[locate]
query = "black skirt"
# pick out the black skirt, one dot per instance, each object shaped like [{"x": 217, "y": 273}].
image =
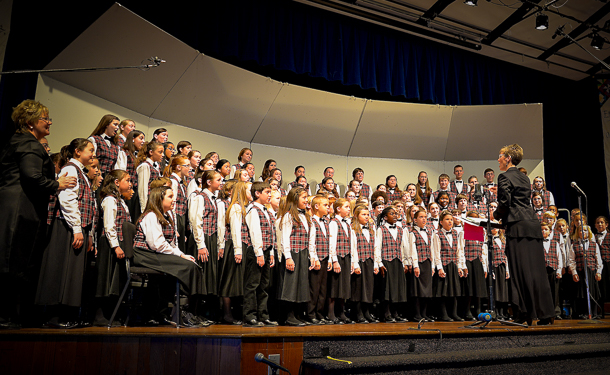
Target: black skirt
[
  {"x": 339, "y": 283},
  {"x": 395, "y": 285},
  {"x": 529, "y": 288},
  {"x": 232, "y": 274},
  {"x": 181, "y": 229},
  {"x": 210, "y": 268},
  {"x": 134, "y": 206},
  {"x": 421, "y": 286},
  {"x": 581, "y": 286},
  {"x": 500, "y": 283},
  {"x": 448, "y": 286},
  {"x": 604, "y": 284},
  {"x": 474, "y": 285},
  {"x": 363, "y": 285},
  {"x": 63, "y": 267},
  {"x": 111, "y": 272},
  {"x": 187, "y": 272},
  {"x": 295, "y": 284}
]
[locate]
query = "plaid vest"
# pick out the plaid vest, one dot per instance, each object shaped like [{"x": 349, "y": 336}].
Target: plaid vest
[
  {"x": 393, "y": 196},
  {"x": 131, "y": 169},
  {"x": 107, "y": 155},
  {"x": 546, "y": 198},
  {"x": 451, "y": 194},
  {"x": 425, "y": 196},
  {"x": 390, "y": 247},
  {"x": 154, "y": 173},
  {"x": 604, "y": 247},
  {"x": 499, "y": 255},
  {"x": 454, "y": 189},
  {"x": 365, "y": 190},
  {"x": 169, "y": 233},
  {"x": 190, "y": 176},
  {"x": 473, "y": 249},
  {"x": 492, "y": 196},
  {"x": 580, "y": 254},
  {"x": 423, "y": 248},
  {"x": 550, "y": 257},
  {"x": 181, "y": 198},
  {"x": 449, "y": 253},
  {"x": 539, "y": 214},
  {"x": 210, "y": 215},
  {"x": 299, "y": 238},
  {"x": 321, "y": 239},
  {"x": 120, "y": 142},
  {"x": 122, "y": 215},
  {"x": 86, "y": 201},
  {"x": 283, "y": 192},
  {"x": 267, "y": 227},
  {"x": 366, "y": 249},
  {"x": 344, "y": 240},
  {"x": 245, "y": 234}
]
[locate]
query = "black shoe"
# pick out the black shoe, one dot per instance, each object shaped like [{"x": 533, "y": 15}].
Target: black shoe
[
  {"x": 389, "y": 319},
  {"x": 9, "y": 325},
  {"x": 270, "y": 323},
  {"x": 231, "y": 321},
  {"x": 315, "y": 322},
  {"x": 428, "y": 319},
  {"x": 151, "y": 323},
  {"x": 558, "y": 317},
  {"x": 445, "y": 319},
  {"x": 325, "y": 321},
  {"x": 372, "y": 319},
  {"x": 293, "y": 322},
  {"x": 346, "y": 320},
  {"x": 84, "y": 324},
  {"x": 362, "y": 321},
  {"x": 64, "y": 325},
  {"x": 253, "y": 323},
  {"x": 400, "y": 319},
  {"x": 457, "y": 318},
  {"x": 337, "y": 321},
  {"x": 546, "y": 321}
]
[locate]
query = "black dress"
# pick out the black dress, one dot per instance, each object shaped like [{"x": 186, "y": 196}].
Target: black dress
[
  {"x": 529, "y": 287},
  {"x": 27, "y": 179}
]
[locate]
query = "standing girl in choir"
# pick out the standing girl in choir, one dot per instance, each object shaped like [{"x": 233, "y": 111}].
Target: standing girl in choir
[
  {"x": 585, "y": 250},
  {"x": 603, "y": 240},
  {"x": 203, "y": 242},
  {"x": 474, "y": 285},
  {"x": 328, "y": 186},
  {"x": 423, "y": 189},
  {"x": 295, "y": 223},
  {"x": 194, "y": 159},
  {"x": 392, "y": 243},
  {"x": 71, "y": 216},
  {"x": 420, "y": 257},
  {"x": 127, "y": 161},
  {"x": 148, "y": 160},
  {"x": 269, "y": 166},
  {"x": 366, "y": 264},
  {"x": 177, "y": 171},
  {"x": 104, "y": 139},
  {"x": 500, "y": 274},
  {"x": 448, "y": 254},
  {"x": 340, "y": 255},
  {"x": 392, "y": 189},
  {"x": 244, "y": 156},
  {"x": 125, "y": 127},
  {"x": 111, "y": 245}
]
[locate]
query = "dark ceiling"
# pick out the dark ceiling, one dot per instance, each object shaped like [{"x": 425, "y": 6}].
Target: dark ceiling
[{"x": 502, "y": 29}]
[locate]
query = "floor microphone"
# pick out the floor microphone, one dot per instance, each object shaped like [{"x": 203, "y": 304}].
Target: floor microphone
[
  {"x": 259, "y": 357},
  {"x": 573, "y": 184}
]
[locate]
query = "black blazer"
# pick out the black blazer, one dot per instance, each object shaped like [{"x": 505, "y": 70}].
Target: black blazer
[{"x": 514, "y": 205}]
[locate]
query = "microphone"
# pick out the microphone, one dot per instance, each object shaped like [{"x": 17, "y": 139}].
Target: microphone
[
  {"x": 573, "y": 184},
  {"x": 259, "y": 357},
  {"x": 478, "y": 193},
  {"x": 559, "y": 31}
]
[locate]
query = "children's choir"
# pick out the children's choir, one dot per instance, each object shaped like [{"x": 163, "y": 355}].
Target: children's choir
[{"x": 238, "y": 246}]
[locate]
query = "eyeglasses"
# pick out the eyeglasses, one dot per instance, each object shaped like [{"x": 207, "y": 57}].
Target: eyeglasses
[
  {"x": 46, "y": 119},
  {"x": 185, "y": 165}
]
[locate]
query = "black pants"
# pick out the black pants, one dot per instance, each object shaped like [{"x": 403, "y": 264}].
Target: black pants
[
  {"x": 256, "y": 280},
  {"x": 317, "y": 291}
]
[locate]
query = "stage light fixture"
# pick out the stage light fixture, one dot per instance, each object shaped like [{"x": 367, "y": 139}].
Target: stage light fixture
[
  {"x": 542, "y": 22},
  {"x": 597, "y": 41},
  {"x": 472, "y": 3}
]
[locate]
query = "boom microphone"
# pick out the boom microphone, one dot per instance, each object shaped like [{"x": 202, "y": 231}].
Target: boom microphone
[
  {"x": 259, "y": 357},
  {"x": 559, "y": 31}
]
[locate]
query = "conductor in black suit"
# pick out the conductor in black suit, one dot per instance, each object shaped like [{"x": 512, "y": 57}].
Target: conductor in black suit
[{"x": 530, "y": 292}]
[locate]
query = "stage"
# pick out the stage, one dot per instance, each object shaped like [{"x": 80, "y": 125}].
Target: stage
[{"x": 372, "y": 348}]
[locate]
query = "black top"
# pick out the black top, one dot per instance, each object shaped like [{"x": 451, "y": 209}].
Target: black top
[
  {"x": 27, "y": 180},
  {"x": 514, "y": 205}
]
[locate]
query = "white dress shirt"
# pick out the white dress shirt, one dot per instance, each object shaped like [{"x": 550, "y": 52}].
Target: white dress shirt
[
  {"x": 143, "y": 172},
  {"x": 110, "y": 207},
  {"x": 153, "y": 234},
  {"x": 68, "y": 198},
  {"x": 286, "y": 230}
]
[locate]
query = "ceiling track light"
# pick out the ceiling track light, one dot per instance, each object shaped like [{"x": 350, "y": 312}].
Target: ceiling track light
[
  {"x": 542, "y": 21},
  {"x": 472, "y": 3},
  {"x": 597, "y": 41}
]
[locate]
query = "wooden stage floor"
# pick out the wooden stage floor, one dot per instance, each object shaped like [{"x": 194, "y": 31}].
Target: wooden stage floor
[{"x": 218, "y": 349}]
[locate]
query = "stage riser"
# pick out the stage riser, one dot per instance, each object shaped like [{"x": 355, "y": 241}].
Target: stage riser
[{"x": 364, "y": 346}]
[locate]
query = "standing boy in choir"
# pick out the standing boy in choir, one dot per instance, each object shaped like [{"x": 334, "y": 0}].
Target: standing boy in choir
[{"x": 318, "y": 257}]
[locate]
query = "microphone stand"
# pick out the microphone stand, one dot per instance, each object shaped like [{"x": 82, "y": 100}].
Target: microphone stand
[{"x": 491, "y": 311}]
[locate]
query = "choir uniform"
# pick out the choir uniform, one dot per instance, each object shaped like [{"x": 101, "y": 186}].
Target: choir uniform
[
  {"x": 147, "y": 171},
  {"x": 126, "y": 163},
  {"x": 448, "y": 253},
  {"x": 391, "y": 242},
  {"x": 340, "y": 251},
  {"x": 106, "y": 152},
  {"x": 368, "y": 258},
  {"x": 603, "y": 240},
  {"x": 554, "y": 264},
  {"x": 180, "y": 209},
  {"x": 500, "y": 271},
  {"x": 295, "y": 246},
  {"x": 589, "y": 251},
  {"x": 459, "y": 187},
  {"x": 547, "y": 198},
  {"x": 318, "y": 279},
  {"x": 63, "y": 267}
]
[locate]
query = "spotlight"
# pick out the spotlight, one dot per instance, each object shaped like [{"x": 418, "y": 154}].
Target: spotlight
[
  {"x": 472, "y": 3},
  {"x": 597, "y": 41},
  {"x": 542, "y": 22}
]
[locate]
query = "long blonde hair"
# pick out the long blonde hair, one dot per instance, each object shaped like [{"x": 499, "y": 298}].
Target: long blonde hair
[{"x": 239, "y": 197}]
